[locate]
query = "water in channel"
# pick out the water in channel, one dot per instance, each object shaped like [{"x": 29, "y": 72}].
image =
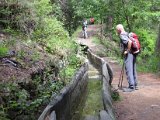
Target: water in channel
[{"x": 91, "y": 102}]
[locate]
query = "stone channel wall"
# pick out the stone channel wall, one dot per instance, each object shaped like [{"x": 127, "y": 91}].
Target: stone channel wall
[
  {"x": 107, "y": 76},
  {"x": 63, "y": 106}
]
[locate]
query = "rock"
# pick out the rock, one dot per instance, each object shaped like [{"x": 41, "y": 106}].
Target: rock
[
  {"x": 104, "y": 115},
  {"x": 89, "y": 117},
  {"x": 53, "y": 116}
]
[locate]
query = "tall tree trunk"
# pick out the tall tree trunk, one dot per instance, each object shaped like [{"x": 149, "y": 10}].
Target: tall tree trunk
[
  {"x": 158, "y": 42},
  {"x": 158, "y": 47},
  {"x": 110, "y": 25},
  {"x": 109, "y": 22},
  {"x": 126, "y": 16}
]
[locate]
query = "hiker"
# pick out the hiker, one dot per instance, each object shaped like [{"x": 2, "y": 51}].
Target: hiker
[
  {"x": 129, "y": 59},
  {"x": 84, "y": 28}
]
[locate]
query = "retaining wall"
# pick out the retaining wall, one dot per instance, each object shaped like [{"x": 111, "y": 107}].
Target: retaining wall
[
  {"x": 107, "y": 76},
  {"x": 64, "y": 105}
]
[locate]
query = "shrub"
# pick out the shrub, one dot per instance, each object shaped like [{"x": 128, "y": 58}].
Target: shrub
[
  {"x": 147, "y": 40},
  {"x": 3, "y": 51},
  {"x": 147, "y": 59}
]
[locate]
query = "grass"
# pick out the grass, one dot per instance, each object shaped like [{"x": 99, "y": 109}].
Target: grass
[{"x": 96, "y": 40}]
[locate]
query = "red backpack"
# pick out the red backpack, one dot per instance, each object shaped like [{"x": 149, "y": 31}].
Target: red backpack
[
  {"x": 92, "y": 20},
  {"x": 135, "y": 47}
]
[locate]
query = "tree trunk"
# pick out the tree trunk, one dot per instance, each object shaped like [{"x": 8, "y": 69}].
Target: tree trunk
[
  {"x": 158, "y": 42},
  {"x": 126, "y": 16},
  {"x": 110, "y": 25},
  {"x": 158, "y": 47}
]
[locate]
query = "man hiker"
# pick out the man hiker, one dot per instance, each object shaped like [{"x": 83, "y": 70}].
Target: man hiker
[
  {"x": 129, "y": 60},
  {"x": 84, "y": 28}
]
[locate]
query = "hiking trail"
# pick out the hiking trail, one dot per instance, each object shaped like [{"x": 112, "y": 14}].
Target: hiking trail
[{"x": 142, "y": 104}]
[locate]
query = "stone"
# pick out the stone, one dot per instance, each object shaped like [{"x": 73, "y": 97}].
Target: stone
[
  {"x": 89, "y": 117},
  {"x": 52, "y": 116},
  {"x": 104, "y": 115}
]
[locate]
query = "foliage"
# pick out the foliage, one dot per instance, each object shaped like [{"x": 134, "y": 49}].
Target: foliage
[
  {"x": 151, "y": 64},
  {"x": 141, "y": 17},
  {"x": 90, "y": 8},
  {"x": 66, "y": 74},
  {"x": 38, "y": 21},
  {"x": 43, "y": 7},
  {"x": 76, "y": 33},
  {"x": 28, "y": 100},
  {"x": 3, "y": 51},
  {"x": 111, "y": 48},
  {"x": 147, "y": 40},
  {"x": 115, "y": 96},
  {"x": 53, "y": 34},
  {"x": 69, "y": 70},
  {"x": 26, "y": 15}
]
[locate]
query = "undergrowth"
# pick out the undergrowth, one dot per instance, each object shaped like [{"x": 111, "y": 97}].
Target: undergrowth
[
  {"x": 115, "y": 96},
  {"x": 45, "y": 39},
  {"x": 147, "y": 60},
  {"x": 110, "y": 47},
  {"x": 3, "y": 51},
  {"x": 25, "y": 101}
]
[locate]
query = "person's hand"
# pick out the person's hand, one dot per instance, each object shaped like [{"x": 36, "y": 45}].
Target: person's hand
[{"x": 125, "y": 52}]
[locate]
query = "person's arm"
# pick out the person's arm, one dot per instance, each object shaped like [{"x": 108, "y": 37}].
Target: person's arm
[
  {"x": 127, "y": 42},
  {"x": 128, "y": 47}
]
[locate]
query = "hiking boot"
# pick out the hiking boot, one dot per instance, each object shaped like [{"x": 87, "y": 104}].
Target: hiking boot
[
  {"x": 129, "y": 89},
  {"x": 136, "y": 88}
]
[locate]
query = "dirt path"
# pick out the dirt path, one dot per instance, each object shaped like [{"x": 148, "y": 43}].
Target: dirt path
[{"x": 142, "y": 104}]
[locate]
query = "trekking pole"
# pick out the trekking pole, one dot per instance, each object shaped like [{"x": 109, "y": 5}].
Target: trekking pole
[
  {"x": 122, "y": 74},
  {"x": 121, "y": 77}
]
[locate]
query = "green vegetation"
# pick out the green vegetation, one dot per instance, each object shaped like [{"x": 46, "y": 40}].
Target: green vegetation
[
  {"x": 39, "y": 31},
  {"x": 34, "y": 30},
  {"x": 141, "y": 17},
  {"x": 115, "y": 96},
  {"x": 3, "y": 51},
  {"x": 148, "y": 59},
  {"x": 89, "y": 8},
  {"x": 108, "y": 48},
  {"x": 24, "y": 101}
]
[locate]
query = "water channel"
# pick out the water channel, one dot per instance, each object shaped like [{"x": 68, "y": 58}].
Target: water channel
[{"x": 92, "y": 102}]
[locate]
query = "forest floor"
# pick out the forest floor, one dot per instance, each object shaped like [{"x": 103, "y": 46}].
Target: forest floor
[{"x": 142, "y": 104}]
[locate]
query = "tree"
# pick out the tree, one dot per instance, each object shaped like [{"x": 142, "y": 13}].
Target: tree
[{"x": 158, "y": 41}]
